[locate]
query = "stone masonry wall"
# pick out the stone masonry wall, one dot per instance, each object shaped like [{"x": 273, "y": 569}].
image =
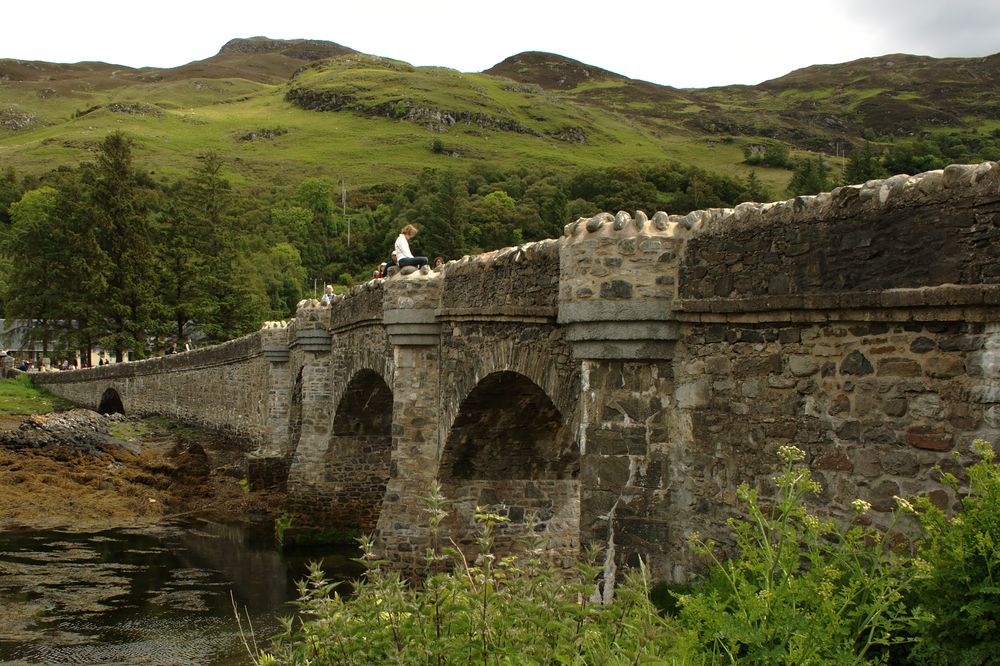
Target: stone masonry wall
[
  {"x": 876, "y": 406},
  {"x": 851, "y": 245},
  {"x": 220, "y": 387},
  {"x": 524, "y": 277}
]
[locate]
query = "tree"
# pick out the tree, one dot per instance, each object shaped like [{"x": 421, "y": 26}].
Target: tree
[
  {"x": 754, "y": 189},
  {"x": 811, "y": 176},
  {"x": 773, "y": 154},
  {"x": 10, "y": 193},
  {"x": 119, "y": 212},
  {"x": 316, "y": 196},
  {"x": 36, "y": 240},
  {"x": 278, "y": 274},
  {"x": 863, "y": 164}
]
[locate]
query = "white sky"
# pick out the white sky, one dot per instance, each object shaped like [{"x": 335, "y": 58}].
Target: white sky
[{"x": 688, "y": 43}]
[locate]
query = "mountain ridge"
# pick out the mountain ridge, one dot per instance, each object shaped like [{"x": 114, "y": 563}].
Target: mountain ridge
[{"x": 303, "y": 102}]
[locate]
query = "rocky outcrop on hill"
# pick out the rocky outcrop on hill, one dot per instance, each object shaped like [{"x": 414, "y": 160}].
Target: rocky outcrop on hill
[
  {"x": 300, "y": 49},
  {"x": 441, "y": 119}
]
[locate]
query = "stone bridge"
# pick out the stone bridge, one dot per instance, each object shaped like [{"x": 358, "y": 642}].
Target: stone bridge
[{"x": 620, "y": 382}]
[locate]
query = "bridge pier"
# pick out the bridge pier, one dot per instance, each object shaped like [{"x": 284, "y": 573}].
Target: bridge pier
[
  {"x": 617, "y": 291},
  {"x": 308, "y": 497},
  {"x": 409, "y": 307}
]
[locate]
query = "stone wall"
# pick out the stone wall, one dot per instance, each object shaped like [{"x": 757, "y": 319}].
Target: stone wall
[{"x": 220, "y": 387}]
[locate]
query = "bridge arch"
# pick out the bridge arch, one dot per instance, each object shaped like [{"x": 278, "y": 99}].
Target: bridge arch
[
  {"x": 356, "y": 462},
  {"x": 111, "y": 402},
  {"x": 511, "y": 450},
  {"x": 508, "y": 428}
]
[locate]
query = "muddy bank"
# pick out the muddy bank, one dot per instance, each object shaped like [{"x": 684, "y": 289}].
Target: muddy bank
[{"x": 82, "y": 471}]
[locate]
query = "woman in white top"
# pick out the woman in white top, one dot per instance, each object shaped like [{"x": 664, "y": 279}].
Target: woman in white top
[{"x": 403, "y": 255}]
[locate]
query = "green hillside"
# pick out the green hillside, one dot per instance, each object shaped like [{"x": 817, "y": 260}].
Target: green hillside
[{"x": 279, "y": 111}]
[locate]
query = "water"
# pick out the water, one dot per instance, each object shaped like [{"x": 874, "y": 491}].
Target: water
[{"x": 159, "y": 596}]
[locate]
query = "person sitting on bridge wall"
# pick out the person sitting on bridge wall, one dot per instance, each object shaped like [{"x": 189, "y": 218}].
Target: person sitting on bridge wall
[
  {"x": 403, "y": 255},
  {"x": 328, "y": 295}
]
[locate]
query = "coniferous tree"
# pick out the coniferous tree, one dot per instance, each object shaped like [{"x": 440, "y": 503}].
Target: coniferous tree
[
  {"x": 811, "y": 176},
  {"x": 85, "y": 266},
  {"x": 442, "y": 227},
  {"x": 754, "y": 189},
  {"x": 121, "y": 215},
  {"x": 863, "y": 164},
  {"x": 35, "y": 240},
  {"x": 228, "y": 302}
]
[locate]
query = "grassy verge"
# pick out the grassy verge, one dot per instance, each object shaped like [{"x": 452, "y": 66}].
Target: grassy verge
[{"x": 20, "y": 397}]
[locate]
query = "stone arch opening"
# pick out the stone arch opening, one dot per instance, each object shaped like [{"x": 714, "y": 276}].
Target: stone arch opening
[
  {"x": 357, "y": 458},
  {"x": 508, "y": 428},
  {"x": 111, "y": 403},
  {"x": 511, "y": 451}
]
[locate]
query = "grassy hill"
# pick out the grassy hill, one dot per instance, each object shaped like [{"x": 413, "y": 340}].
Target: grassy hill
[{"x": 280, "y": 111}]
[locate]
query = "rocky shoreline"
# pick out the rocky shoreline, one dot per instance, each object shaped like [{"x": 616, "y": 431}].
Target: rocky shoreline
[{"x": 82, "y": 471}]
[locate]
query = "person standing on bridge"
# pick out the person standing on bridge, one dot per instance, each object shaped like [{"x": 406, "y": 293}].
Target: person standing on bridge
[{"x": 404, "y": 257}]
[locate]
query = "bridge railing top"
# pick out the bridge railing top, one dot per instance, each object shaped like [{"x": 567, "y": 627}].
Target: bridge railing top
[{"x": 956, "y": 180}]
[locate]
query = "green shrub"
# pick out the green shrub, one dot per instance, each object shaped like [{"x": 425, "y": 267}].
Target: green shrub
[
  {"x": 957, "y": 587},
  {"x": 798, "y": 590},
  {"x": 518, "y": 609}
]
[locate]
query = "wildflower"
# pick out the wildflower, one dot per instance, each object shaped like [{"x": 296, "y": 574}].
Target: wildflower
[
  {"x": 791, "y": 454},
  {"x": 861, "y": 507},
  {"x": 984, "y": 450},
  {"x": 904, "y": 504},
  {"x": 811, "y": 521}
]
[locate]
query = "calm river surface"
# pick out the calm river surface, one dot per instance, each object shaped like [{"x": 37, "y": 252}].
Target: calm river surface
[{"x": 150, "y": 596}]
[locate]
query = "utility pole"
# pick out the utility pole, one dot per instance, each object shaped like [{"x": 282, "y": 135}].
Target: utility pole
[{"x": 343, "y": 208}]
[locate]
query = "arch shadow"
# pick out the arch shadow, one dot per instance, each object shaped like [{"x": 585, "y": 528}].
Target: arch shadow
[
  {"x": 111, "y": 403},
  {"x": 356, "y": 462},
  {"x": 512, "y": 452}
]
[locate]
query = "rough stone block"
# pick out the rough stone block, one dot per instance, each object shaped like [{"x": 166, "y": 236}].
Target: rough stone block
[
  {"x": 899, "y": 367},
  {"x": 929, "y": 438},
  {"x": 616, "y": 441}
]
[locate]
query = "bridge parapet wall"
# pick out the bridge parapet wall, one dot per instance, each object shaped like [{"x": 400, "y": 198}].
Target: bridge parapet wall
[
  {"x": 522, "y": 279},
  {"x": 905, "y": 242},
  {"x": 218, "y": 387}
]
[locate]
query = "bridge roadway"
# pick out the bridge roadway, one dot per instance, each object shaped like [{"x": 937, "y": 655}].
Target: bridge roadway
[{"x": 620, "y": 382}]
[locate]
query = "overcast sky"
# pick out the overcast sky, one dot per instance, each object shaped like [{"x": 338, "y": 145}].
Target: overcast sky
[{"x": 694, "y": 43}]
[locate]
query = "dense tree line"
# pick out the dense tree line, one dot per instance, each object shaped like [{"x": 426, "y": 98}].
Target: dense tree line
[
  {"x": 869, "y": 160},
  {"x": 101, "y": 254}
]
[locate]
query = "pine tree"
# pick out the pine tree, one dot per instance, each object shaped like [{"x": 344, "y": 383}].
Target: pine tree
[
  {"x": 220, "y": 297},
  {"x": 35, "y": 241},
  {"x": 120, "y": 214},
  {"x": 754, "y": 189},
  {"x": 863, "y": 164},
  {"x": 811, "y": 176}
]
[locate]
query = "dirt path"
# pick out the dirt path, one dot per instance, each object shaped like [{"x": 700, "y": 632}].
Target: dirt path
[{"x": 82, "y": 471}]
